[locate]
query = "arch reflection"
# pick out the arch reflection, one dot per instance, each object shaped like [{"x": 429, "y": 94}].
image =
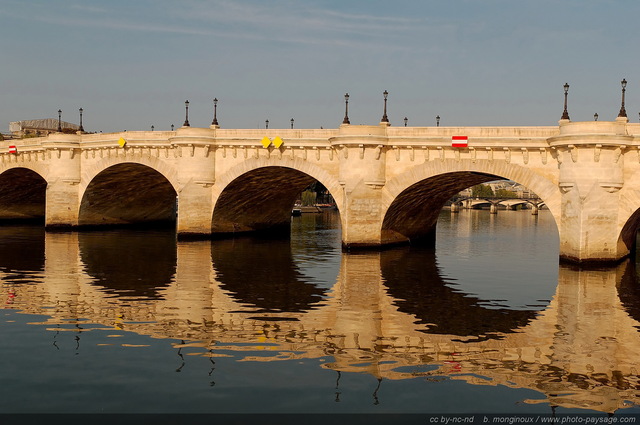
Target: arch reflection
[
  {"x": 129, "y": 262},
  {"x": 414, "y": 280},
  {"x": 21, "y": 253},
  {"x": 260, "y": 273},
  {"x": 581, "y": 351},
  {"x": 629, "y": 290}
]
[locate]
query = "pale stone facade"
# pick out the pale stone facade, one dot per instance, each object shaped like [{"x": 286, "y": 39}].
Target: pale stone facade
[{"x": 389, "y": 183}]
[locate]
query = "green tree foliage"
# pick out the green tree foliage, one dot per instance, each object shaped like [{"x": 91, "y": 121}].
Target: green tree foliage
[
  {"x": 482, "y": 191},
  {"x": 504, "y": 193},
  {"x": 322, "y": 195},
  {"x": 308, "y": 197}
]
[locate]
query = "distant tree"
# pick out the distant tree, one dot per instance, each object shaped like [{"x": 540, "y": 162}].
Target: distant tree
[
  {"x": 504, "y": 193},
  {"x": 308, "y": 197},
  {"x": 1, "y": 136},
  {"x": 322, "y": 195},
  {"x": 482, "y": 191}
]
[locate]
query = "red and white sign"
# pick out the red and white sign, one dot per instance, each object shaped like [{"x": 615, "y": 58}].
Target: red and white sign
[
  {"x": 459, "y": 141},
  {"x": 12, "y": 149}
]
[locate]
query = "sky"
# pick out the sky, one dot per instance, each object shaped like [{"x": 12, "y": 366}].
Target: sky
[{"x": 131, "y": 64}]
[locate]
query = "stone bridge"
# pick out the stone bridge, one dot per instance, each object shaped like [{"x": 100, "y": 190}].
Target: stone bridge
[
  {"x": 389, "y": 183},
  {"x": 493, "y": 203}
]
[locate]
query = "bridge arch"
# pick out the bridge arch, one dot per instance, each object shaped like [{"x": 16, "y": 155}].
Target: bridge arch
[
  {"x": 411, "y": 201},
  {"x": 37, "y": 167},
  {"x": 91, "y": 171},
  {"x": 127, "y": 192},
  {"x": 22, "y": 194},
  {"x": 258, "y": 193},
  {"x": 480, "y": 203}
]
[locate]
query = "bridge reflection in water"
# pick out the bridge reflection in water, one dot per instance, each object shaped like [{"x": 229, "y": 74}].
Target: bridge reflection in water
[{"x": 389, "y": 314}]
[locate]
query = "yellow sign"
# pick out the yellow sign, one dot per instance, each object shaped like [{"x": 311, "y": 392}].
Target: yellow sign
[
  {"x": 122, "y": 142},
  {"x": 277, "y": 142}
]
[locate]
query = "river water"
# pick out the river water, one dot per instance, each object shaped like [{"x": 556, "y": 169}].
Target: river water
[{"x": 128, "y": 321}]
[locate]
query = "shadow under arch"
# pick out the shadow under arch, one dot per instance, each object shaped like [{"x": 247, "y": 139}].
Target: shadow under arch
[
  {"x": 129, "y": 263},
  {"x": 259, "y": 201},
  {"x": 413, "y": 279},
  {"x": 629, "y": 233},
  {"x": 94, "y": 168},
  {"x": 128, "y": 193},
  {"x": 22, "y": 195},
  {"x": 261, "y": 274}
]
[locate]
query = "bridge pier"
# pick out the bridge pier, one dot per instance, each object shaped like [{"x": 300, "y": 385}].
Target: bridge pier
[
  {"x": 588, "y": 228},
  {"x": 591, "y": 175},
  {"x": 195, "y": 207},
  {"x": 63, "y": 190},
  {"x": 362, "y": 219},
  {"x": 362, "y": 174},
  {"x": 195, "y": 166},
  {"x": 63, "y": 204}
]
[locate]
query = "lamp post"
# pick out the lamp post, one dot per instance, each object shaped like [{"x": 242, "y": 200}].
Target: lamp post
[
  {"x": 565, "y": 113},
  {"x": 623, "y": 112},
  {"x": 59, "y": 121},
  {"x": 266, "y": 124},
  {"x": 595, "y": 116},
  {"x": 215, "y": 111},
  {"x": 346, "y": 109},
  {"x": 405, "y": 121},
  {"x": 292, "y": 123},
  {"x": 186, "y": 116},
  {"x": 437, "y": 120},
  {"x": 384, "y": 114},
  {"x": 81, "y": 127}
]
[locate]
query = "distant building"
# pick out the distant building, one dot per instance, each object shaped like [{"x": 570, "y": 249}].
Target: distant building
[
  {"x": 40, "y": 127},
  {"x": 518, "y": 190}
]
